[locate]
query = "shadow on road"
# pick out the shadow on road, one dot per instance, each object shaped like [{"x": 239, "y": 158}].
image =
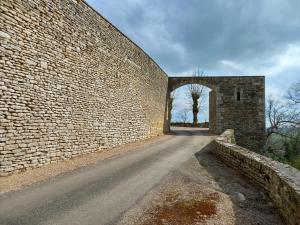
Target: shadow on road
[
  {"x": 256, "y": 208},
  {"x": 188, "y": 131}
]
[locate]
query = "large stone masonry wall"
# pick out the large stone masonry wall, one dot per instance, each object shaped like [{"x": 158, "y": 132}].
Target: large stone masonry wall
[
  {"x": 282, "y": 182},
  {"x": 71, "y": 83}
]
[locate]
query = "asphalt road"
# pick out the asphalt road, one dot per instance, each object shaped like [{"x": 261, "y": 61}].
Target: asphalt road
[{"x": 101, "y": 193}]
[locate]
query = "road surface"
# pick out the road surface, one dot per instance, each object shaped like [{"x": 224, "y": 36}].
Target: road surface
[{"x": 101, "y": 193}]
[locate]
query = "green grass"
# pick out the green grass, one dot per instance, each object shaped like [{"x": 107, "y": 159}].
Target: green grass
[{"x": 295, "y": 162}]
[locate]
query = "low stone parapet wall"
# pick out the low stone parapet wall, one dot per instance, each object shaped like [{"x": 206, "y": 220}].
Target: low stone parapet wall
[
  {"x": 282, "y": 182},
  {"x": 178, "y": 124}
]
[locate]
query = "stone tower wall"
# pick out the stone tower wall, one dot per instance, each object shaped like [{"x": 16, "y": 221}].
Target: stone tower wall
[
  {"x": 245, "y": 115},
  {"x": 71, "y": 83}
]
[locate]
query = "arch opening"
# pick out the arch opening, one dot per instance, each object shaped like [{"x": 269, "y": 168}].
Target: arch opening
[
  {"x": 182, "y": 106},
  {"x": 245, "y": 116}
]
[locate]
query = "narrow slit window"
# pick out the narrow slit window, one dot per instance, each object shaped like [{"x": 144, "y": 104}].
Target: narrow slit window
[{"x": 238, "y": 96}]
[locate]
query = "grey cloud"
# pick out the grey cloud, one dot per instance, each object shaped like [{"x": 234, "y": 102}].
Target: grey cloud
[{"x": 184, "y": 34}]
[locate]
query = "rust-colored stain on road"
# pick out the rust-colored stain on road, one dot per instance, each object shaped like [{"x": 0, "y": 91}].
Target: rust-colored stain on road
[{"x": 184, "y": 212}]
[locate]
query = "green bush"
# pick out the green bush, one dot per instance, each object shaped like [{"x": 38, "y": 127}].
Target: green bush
[
  {"x": 295, "y": 162},
  {"x": 284, "y": 149}
]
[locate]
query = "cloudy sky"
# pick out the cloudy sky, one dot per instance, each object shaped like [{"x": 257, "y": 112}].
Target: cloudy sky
[{"x": 222, "y": 37}]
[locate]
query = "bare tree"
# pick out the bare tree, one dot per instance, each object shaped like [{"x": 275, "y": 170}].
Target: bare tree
[
  {"x": 196, "y": 92},
  {"x": 284, "y": 122},
  {"x": 184, "y": 115},
  {"x": 281, "y": 116}
]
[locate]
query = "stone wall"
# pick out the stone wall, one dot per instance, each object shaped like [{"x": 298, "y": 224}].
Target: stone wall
[
  {"x": 282, "y": 182},
  {"x": 245, "y": 115},
  {"x": 212, "y": 111},
  {"x": 71, "y": 83}
]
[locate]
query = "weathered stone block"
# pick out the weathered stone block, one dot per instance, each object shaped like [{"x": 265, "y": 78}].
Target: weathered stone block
[{"x": 4, "y": 35}]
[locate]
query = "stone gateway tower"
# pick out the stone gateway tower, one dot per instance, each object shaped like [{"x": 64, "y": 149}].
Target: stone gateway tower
[
  {"x": 72, "y": 83},
  {"x": 235, "y": 102}
]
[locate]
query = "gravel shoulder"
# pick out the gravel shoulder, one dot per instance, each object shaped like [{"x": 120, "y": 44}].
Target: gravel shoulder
[
  {"x": 204, "y": 191},
  {"x": 29, "y": 177}
]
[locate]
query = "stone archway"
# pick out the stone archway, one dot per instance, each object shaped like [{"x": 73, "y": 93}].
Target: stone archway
[
  {"x": 212, "y": 101},
  {"x": 236, "y": 102}
]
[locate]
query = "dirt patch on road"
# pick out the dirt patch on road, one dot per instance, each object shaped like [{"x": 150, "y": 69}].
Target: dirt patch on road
[
  {"x": 183, "y": 212},
  {"x": 178, "y": 202}
]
